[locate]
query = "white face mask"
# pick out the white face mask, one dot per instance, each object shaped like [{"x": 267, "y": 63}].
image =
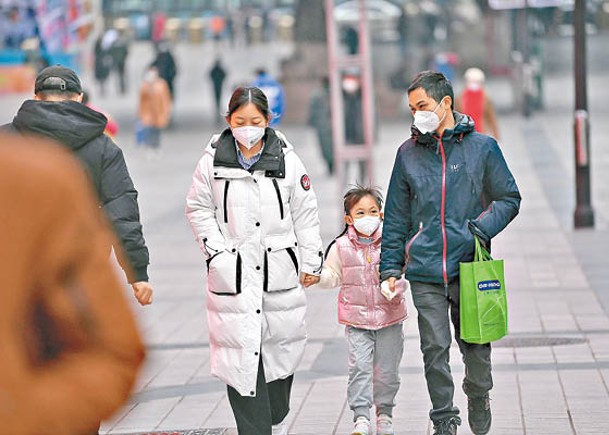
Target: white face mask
[
  {"x": 248, "y": 135},
  {"x": 367, "y": 225},
  {"x": 426, "y": 121}
]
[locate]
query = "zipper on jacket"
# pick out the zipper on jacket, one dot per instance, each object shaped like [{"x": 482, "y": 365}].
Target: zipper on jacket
[
  {"x": 226, "y": 184},
  {"x": 292, "y": 255},
  {"x": 409, "y": 244},
  {"x": 443, "y": 216},
  {"x": 487, "y": 211},
  {"x": 278, "y": 197}
]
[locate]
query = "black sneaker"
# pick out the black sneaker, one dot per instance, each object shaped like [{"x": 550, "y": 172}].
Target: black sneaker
[
  {"x": 445, "y": 427},
  {"x": 479, "y": 414}
]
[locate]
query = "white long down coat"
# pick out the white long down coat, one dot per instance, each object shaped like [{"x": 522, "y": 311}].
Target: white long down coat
[{"x": 257, "y": 229}]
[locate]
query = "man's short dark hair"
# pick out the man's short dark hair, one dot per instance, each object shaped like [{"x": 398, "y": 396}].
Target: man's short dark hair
[{"x": 435, "y": 85}]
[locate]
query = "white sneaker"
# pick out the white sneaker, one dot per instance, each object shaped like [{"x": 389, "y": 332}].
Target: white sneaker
[
  {"x": 361, "y": 426},
  {"x": 280, "y": 429},
  {"x": 384, "y": 425}
]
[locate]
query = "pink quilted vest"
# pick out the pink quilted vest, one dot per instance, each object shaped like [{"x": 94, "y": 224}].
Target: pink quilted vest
[{"x": 360, "y": 301}]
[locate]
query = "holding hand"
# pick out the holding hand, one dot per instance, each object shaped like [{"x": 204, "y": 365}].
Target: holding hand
[
  {"x": 308, "y": 280},
  {"x": 143, "y": 292}
]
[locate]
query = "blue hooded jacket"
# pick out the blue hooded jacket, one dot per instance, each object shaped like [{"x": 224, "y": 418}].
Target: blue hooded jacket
[
  {"x": 441, "y": 192},
  {"x": 274, "y": 93}
]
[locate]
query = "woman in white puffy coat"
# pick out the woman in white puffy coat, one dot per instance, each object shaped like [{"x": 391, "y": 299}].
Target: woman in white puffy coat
[{"x": 254, "y": 215}]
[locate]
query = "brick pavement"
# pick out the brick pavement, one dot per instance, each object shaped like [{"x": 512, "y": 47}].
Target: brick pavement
[{"x": 551, "y": 373}]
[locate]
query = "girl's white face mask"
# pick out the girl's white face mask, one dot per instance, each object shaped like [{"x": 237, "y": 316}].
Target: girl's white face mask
[
  {"x": 248, "y": 135},
  {"x": 367, "y": 225},
  {"x": 426, "y": 121}
]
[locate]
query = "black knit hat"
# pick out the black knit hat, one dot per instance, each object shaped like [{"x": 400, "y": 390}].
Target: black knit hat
[{"x": 57, "y": 78}]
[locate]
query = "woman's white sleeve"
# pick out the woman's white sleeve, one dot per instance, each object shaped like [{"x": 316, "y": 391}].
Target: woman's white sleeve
[
  {"x": 332, "y": 273},
  {"x": 303, "y": 206},
  {"x": 201, "y": 212}
]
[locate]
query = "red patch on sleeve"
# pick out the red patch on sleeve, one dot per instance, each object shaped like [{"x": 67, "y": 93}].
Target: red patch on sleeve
[{"x": 305, "y": 182}]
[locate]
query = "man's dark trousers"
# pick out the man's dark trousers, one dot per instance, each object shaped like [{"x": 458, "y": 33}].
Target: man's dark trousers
[{"x": 433, "y": 302}]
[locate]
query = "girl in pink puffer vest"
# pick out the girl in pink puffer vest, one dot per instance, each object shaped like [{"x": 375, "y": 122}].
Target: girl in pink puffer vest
[{"x": 372, "y": 317}]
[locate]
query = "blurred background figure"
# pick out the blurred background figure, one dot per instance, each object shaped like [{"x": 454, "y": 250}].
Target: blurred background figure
[
  {"x": 72, "y": 349},
  {"x": 354, "y": 123},
  {"x": 112, "y": 126},
  {"x": 119, "y": 51},
  {"x": 351, "y": 40},
  {"x": 166, "y": 66},
  {"x": 159, "y": 20},
  {"x": 475, "y": 102},
  {"x": 103, "y": 61},
  {"x": 18, "y": 28},
  {"x": 217, "y": 75},
  {"x": 320, "y": 119},
  {"x": 274, "y": 93},
  {"x": 154, "y": 110}
]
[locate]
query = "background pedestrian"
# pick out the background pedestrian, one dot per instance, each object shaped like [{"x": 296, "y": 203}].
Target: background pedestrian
[
  {"x": 217, "y": 75},
  {"x": 274, "y": 93},
  {"x": 166, "y": 65},
  {"x": 475, "y": 102},
  {"x": 320, "y": 118},
  {"x": 154, "y": 109}
]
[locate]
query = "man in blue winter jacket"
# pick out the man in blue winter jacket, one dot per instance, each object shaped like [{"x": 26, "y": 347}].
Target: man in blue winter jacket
[{"x": 448, "y": 184}]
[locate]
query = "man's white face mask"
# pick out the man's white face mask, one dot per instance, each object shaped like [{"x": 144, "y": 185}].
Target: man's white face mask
[{"x": 427, "y": 121}]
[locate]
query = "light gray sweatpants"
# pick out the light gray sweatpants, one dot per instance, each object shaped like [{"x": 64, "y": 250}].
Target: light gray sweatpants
[{"x": 374, "y": 363}]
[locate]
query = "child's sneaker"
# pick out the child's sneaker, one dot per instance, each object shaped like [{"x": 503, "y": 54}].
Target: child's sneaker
[
  {"x": 361, "y": 427},
  {"x": 384, "y": 425}
]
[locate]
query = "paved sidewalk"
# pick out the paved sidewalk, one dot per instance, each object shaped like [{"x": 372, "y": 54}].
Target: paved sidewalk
[{"x": 551, "y": 373}]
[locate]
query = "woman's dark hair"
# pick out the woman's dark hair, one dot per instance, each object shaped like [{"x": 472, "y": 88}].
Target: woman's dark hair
[
  {"x": 245, "y": 95},
  {"x": 435, "y": 85},
  {"x": 358, "y": 192}
]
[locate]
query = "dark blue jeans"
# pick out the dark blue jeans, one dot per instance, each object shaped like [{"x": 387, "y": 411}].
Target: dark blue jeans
[{"x": 433, "y": 303}]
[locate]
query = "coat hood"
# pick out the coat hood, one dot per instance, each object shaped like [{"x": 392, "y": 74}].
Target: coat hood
[
  {"x": 68, "y": 122},
  {"x": 464, "y": 124}
]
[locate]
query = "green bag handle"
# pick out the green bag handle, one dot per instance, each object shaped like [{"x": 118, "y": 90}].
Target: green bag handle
[{"x": 481, "y": 254}]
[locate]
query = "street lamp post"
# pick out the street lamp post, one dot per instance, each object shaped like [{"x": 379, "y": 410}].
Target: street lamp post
[{"x": 584, "y": 214}]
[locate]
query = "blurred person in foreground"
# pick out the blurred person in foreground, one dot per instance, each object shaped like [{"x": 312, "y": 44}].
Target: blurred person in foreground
[
  {"x": 57, "y": 113},
  {"x": 70, "y": 343},
  {"x": 449, "y": 184},
  {"x": 475, "y": 102}
]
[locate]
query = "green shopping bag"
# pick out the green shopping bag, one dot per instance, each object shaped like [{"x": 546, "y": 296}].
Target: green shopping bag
[{"x": 483, "y": 305}]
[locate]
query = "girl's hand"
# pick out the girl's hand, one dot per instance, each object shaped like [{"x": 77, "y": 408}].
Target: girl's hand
[{"x": 308, "y": 280}]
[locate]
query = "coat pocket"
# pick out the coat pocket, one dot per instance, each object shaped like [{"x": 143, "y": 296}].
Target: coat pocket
[
  {"x": 281, "y": 266},
  {"x": 224, "y": 274}
]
